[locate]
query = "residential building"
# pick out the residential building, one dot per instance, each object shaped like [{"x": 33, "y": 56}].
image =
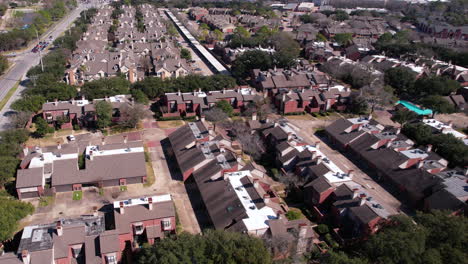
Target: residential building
[
  {"x": 72, "y": 167},
  {"x": 86, "y": 239},
  {"x": 194, "y": 103}
]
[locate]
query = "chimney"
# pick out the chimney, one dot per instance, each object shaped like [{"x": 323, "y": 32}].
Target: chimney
[
  {"x": 429, "y": 148},
  {"x": 450, "y": 123},
  {"x": 59, "y": 228},
  {"x": 266, "y": 198},
  {"x": 317, "y": 144},
  {"x": 362, "y": 201},
  {"x": 398, "y": 131},
  {"x": 202, "y": 118},
  {"x": 122, "y": 209},
  {"x": 420, "y": 164},
  {"x": 150, "y": 203},
  {"x": 103, "y": 140},
  {"x": 125, "y": 139},
  {"x": 255, "y": 183},
  {"x": 56, "y": 102},
  {"x": 91, "y": 155},
  {"x": 350, "y": 173},
  {"x": 290, "y": 136},
  {"x": 59, "y": 146},
  {"x": 465, "y": 171},
  {"x": 179, "y": 93},
  {"x": 254, "y": 116},
  {"x": 369, "y": 117},
  {"x": 319, "y": 159},
  {"x": 25, "y": 256},
  {"x": 95, "y": 211}
]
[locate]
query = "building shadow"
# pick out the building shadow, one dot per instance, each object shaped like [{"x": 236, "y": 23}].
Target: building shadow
[{"x": 171, "y": 160}]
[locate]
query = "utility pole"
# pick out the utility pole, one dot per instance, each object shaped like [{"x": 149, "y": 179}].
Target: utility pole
[{"x": 40, "y": 51}]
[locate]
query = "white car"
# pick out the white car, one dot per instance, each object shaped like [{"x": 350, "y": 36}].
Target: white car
[{"x": 71, "y": 138}]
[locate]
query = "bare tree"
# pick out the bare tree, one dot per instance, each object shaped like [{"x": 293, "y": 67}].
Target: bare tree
[
  {"x": 376, "y": 94},
  {"x": 215, "y": 115},
  {"x": 20, "y": 119},
  {"x": 131, "y": 115},
  {"x": 281, "y": 245}
]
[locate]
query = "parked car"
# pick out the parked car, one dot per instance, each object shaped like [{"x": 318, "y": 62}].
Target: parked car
[{"x": 71, "y": 138}]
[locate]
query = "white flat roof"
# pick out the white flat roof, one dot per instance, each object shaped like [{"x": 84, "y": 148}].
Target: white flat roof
[
  {"x": 257, "y": 218},
  {"x": 97, "y": 152},
  {"x": 49, "y": 157},
  {"x": 143, "y": 200}
]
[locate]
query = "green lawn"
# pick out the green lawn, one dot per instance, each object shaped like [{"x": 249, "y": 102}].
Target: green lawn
[
  {"x": 8, "y": 95},
  {"x": 123, "y": 188},
  {"x": 77, "y": 195}
]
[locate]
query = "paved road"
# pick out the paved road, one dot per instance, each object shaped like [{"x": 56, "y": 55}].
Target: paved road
[{"x": 24, "y": 61}]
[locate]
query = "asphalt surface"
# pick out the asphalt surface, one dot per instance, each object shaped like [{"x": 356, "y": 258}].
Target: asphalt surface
[{"x": 27, "y": 59}]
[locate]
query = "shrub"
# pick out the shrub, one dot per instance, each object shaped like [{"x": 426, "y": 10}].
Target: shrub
[{"x": 322, "y": 229}]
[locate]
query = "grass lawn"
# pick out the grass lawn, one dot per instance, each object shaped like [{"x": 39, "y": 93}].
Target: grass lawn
[
  {"x": 170, "y": 124},
  {"x": 150, "y": 177},
  {"x": 294, "y": 213},
  {"x": 300, "y": 117},
  {"x": 123, "y": 188},
  {"x": 77, "y": 195},
  {"x": 8, "y": 95},
  {"x": 46, "y": 200},
  {"x": 48, "y": 140}
]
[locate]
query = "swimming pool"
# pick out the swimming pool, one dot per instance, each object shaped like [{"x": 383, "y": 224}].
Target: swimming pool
[{"x": 415, "y": 108}]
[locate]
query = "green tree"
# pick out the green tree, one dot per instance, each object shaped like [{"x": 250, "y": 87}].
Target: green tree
[
  {"x": 29, "y": 103},
  {"x": 320, "y": 37},
  {"x": 225, "y": 106},
  {"x": 242, "y": 32},
  {"x": 404, "y": 116},
  {"x": 139, "y": 96},
  {"x": 438, "y": 104},
  {"x": 358, "y": 105},
  {"x": 8, "y": 166},
  {"x": 42, "y": 127},
  {"x": 341, "y": 15},
  {"x": 218, "y": 34},
  {"x": 211, "y": 247},
  {"x": 339, "y": 257},
  {"x": 343, "y": 38},
  {"x": 105, "y": 87},
  {"x": 435, "y": 85},
  {"x": 401, "y": 79},
  {"x": 11, "y": 211},
  {"x": 3, "y": 64},
  {"x": 403, "y": 242},
  {"x": 421, "y": 133},
  {"x": 104, "y": 114},
  {"x": 185, "y": 54},
  {"x": 245, "y": 63}
]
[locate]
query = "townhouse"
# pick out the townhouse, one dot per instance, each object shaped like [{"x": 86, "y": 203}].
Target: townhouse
[
  {"x": 87, "y": 240},
  {"x": 108, "y": 50},
  {"x": 329, "y": 191},
  {"x": 82, "y": 112},
  {"x": 445, "y": 128},
  {"x": 190, "y": 104},
  {"x": 236, "y": 196},
  {"x": 415, "y": 173},
  {"x": 312, "y": 100},
  {"x": 442, "y": 30},
  {"x": 72, "y": 167}
]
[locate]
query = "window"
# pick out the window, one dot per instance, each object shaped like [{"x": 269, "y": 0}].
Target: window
[
  {"x": 166, "y": 223},
  {"x": 138, "y": 229}
]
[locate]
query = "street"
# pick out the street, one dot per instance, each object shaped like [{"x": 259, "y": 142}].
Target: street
[{"x": 25, "y": 60}]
